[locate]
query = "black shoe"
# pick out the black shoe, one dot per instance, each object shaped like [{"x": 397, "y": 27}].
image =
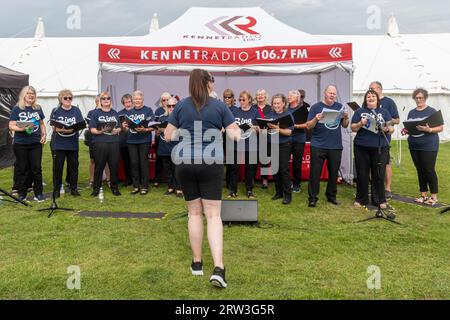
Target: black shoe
[
  {"x": 180, "y": 195},
  {"x": 135, "y": 191},
  {"x": 197, "y": 268},
  {"x": 218, "y": 278},
  {"x": 277, "y": 196},
  {"x": 312, "y": 203},
  {"x": 144, "y": 192},
  {"x": 75, "y": 193},
  {"x": 287, "y": 199},
  {"x": 116, "y": 192},
  {"x": 232, "y": 195},
  {"x": 95, "y": 192},
  {"x": 334, "y": 201},
  {"x": 168, "y": 193},
  {"x": 296, "y": 189},
  {"x": 250, "y": 195},
  {"x": 388, "y": 194}
]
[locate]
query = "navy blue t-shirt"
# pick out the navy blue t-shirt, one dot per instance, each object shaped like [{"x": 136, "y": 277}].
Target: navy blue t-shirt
[
  {"x": 323, "y": 137},
  {"x": 246, "y": 117},
  {"x": 28, "y": 114},
  {"x": 159, "y": 111},
  {"x": 164, "y": 147},
  {"x": 299, "y": 135},
  {"x": 137, "y": 116},
  {"x": 64, "y": 141},
  {"x": 214, "y": 116},
  {"x": 389, "y": 104},
  {"x": 281, "y": 138},
  {"x": 424, "y": 141},
  {"x": 123, "y": 134},
  {"x": 366, "y": 138},
  {"x": 100, "y": 116}
]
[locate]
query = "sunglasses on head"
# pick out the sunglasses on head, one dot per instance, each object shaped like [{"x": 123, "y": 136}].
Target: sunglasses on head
[
  {"x": 67, "y": 98},
  {"x": 105, "y": 98},
  {"x": 211, "y": 79}
]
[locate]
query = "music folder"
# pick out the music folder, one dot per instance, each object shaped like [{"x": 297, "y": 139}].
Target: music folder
[
  {"x": 24, "y": 124},
  {"x": 245, "y": 126},
  {"x": 133, "y": 125},
  {"x": 262, "y": 122},
  {"x": 353, "y": 105},
  {"x": 435, "y": 120},
  {"x": 300, "y": 115},
  {"x": 107, "y": 126},
  {"x": 75, "y": 127},
  {"x": 158, "y": 125}
]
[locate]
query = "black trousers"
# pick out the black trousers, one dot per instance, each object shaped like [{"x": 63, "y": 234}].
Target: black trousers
[
  {"x": 370, "y": 163},
  {"x": 72, "y": 168},
  {"x": 28, "y": 159},
  {"x": 125, "y": 155},
  {"x": 250, "y": 170},
  {"x": 106, "y": 152},
  {"x": 425, "y": 162},
  {"x": 158, "y": 165},
  {"x": 318, "y": 156},
  {"x": 170, "y": 168},
  {"x": 139, "y": 164},
  {"x": 297, "y": 157},
  {"x": 282, "y": 177}
]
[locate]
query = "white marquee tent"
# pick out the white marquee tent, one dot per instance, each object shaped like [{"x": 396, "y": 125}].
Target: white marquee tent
[
  {"x": 401, "y": 63},
  {"x": 242, "y": 47}
]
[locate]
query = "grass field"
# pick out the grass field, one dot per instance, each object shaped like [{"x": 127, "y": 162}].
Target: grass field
[{"x": 297, "y": 253}]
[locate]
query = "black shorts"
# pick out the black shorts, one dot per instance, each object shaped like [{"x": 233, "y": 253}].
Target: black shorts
[
  {"x": 389, "y": 159},
  {"x": 200, "y": 181}
]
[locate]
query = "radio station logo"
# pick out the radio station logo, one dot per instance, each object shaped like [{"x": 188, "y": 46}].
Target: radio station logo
[{"x": 230, "y": 27}]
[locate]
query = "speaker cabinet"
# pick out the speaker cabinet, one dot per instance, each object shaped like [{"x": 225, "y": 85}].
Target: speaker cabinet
[{"x": 239, "y": 211}]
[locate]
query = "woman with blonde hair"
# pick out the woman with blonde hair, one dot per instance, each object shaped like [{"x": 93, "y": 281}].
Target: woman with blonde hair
[
  {"x": 138, "y": 141},
  {"x": 105, "y": 129},
  {"x": 65, "y": 144},
  {"x": 27, "y": 122}
]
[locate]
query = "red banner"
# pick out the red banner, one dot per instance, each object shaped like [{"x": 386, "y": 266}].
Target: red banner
[{"x": 225, "y": 56}]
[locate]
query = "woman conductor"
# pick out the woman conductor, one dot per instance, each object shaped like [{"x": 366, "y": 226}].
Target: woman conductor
[{"x": 200, "y": 178}]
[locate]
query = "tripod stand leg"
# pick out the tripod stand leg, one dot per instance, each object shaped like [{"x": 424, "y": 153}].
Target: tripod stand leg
[{"x": 6, "y": 193}]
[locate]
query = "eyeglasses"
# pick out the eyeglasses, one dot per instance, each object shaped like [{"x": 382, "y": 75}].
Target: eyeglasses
[
  {"x": 242, "y": 99},
  {"x": 164, "y": 100},
  {"x": 302, "y": 96},
  {"x": 67, "y": 98},
  {"x": 419, "y": 98},
  {"x": 228, "y": 97},
  {"x": 212, "y": 79},
  {"x": 105, "y": 98},
  {"x": 171, "y": 105}
]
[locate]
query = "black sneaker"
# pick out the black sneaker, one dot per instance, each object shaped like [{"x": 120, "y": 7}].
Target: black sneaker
[
  {"x": 218, "y": 278},
  {"x": 250, "y": 195},
  {"x": 75, "y": 193},
  {"x": 135, "y": 191},
  {"x": 232, "y": 195},
  {"x": 197, "y": 268},
  {"x": 296, "y": 189}
]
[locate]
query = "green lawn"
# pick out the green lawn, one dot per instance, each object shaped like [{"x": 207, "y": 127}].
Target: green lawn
[{"x": 298, "y": 253}]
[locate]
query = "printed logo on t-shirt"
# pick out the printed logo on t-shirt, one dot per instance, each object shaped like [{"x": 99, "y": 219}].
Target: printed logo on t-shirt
[
  {"x": 68, "y": 122},
  {"x": 108, "y": 119},
  {"x": 31, "y": 116}
]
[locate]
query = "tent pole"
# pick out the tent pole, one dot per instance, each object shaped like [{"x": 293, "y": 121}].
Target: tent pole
[
  {"x": 99, "y": 78},
  {"x": 319, "y": 78},
  {"x": 351, "y": 174},
  {"x": 135, "y": 79}
]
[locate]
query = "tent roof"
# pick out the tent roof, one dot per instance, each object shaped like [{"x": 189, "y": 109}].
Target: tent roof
[
  {"x": 226, "y": 39},
  {"x": 401, "y": 63},
  {"x": 12, "y": 79}
]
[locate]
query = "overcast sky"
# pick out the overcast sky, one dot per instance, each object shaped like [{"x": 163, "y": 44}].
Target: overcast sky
[{"x": 132, "y": 17}]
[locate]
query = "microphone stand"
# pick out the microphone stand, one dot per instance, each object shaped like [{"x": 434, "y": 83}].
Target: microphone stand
[
  {"x": 381, "y": 214},
  {"x": 16, "y": 199},
  {"x": 54, "y": 205}
]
